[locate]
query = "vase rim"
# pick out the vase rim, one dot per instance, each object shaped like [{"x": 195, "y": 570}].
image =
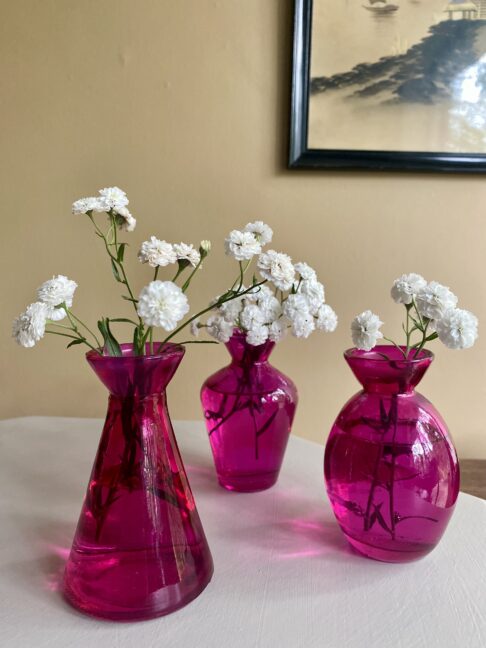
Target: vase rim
[
  {"x": 373, "y": 355},
  {"x": 170, "y": 350}
]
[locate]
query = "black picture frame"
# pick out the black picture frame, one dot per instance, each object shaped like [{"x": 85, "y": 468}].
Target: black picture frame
[{"x": 303, "y": 157}]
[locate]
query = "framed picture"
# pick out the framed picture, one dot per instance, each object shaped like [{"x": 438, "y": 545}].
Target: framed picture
[{"x": 389, "y": 85}]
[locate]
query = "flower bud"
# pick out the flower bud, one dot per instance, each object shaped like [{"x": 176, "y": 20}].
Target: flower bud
[{"x": 204, "y": 248}]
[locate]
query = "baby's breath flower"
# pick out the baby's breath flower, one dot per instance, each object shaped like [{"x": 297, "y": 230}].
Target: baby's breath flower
[
  {"x": 302, "y": 325},
  {"x": 157, "y": 253},
  {"x": 305, "y": 271},
  {"x": 124, "y": 219},
  {"x": 30, "y": 326},
  {"x": 457, "y": 329},
  {"x": 195, "y": 327},
  {"x": 163, "y": 304},
  {"x": 90, "y": 204},
  {"x": 434, "y": 299},
  {"x": 262, "y": 232},
  {"x": 113, "y": 198},
  {"x": 242, "y": 246},
  {"x": 326, "y": 319},
  {"x": 406, "y": 287},
  {"x": 219, "y": 328},
  {"x": 257, "y": 334},
  {"x": 365, "y": 330},
  {"x": 187, "y": 252},
  {"x": 277, "y": 268}
]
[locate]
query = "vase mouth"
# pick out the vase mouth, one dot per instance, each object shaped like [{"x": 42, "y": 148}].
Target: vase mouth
[
  {"x": 169, "y": 350},
  {"x": 242, "y": 351},
  {"x": 393, "y": 355}
]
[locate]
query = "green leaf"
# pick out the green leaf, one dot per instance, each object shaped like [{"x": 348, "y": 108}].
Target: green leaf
[
  {"x": 136, "y": 341},
  {"x": 123, "y": 319},
  {"x": 116, "y": 274},
  {"x": 110, "y": 343},
  {"x": 74, "y": 342},
  {"x": 121, "y": 252}
]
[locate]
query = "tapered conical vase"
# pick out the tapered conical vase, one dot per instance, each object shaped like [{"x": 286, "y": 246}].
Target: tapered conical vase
[{"x": 139, "y": 550}]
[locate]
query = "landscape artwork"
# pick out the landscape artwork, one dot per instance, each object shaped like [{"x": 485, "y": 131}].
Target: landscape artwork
[{"x": 397, "y": 75}]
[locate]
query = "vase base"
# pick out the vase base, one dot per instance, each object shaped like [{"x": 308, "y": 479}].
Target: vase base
[
  {"x": 134, "y": 591},
  {"x": 403, "y": 553},
  {"x": 248, "y": 483}
]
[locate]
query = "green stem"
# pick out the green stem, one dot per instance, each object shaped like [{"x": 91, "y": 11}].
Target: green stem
[
  {"x": 189, "y": 278},
  {"x": 396, "y": 345},
  {"x": 86, "y": 327},
  {"x": 75, "y": 337}
]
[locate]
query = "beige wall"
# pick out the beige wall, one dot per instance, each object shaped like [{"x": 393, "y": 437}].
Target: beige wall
[{"x": 183, "y": 103}]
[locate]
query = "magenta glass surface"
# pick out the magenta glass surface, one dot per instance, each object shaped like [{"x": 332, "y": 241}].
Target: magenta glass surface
[
  {"x": 249, "y": 407},
  {"x": 139, "y": 550},
  {"x": 390, "y": 465}
]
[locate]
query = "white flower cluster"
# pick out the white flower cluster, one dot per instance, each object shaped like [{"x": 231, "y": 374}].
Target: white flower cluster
[
  {"x": 52, "y": 296},
  {"x": 296, "y": 301},
  {"x": 163, "y": 304},
  {"x": 159, "y": 253},
  {"x": 435, "y": 309},
  {"x": 111, "y": 199},
  {"x": 244, "y": 245}
]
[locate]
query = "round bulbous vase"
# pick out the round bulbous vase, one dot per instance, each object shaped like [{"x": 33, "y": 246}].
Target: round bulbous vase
[
  {"x": 249, "y": 407},
  {"x": 139, "y": 550},
  {"x": 390, "y": 466}
]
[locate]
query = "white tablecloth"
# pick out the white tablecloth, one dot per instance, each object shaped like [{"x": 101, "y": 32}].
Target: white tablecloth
[{"x": 284, "y": 575}]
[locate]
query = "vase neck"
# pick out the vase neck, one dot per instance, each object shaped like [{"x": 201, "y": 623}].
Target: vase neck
[
  {"x": 384, "y": 370},
  {"x": 136, "y": 377},
  {"x": 244, "y": 354}
]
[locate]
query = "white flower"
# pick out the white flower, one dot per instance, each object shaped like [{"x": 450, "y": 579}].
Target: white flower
[
  {"x": 113, "y": 198},
  {"x": 327, "y": 319},
  {"x": 406, "y": 287},
  {"x": 125, "y": 220},
  {"x": 277, "y": 268},
  {"x": 277, "y": 330},
  {"x": 242, "y": 246},
  {"x": 163, "y": 304},
  {"x": 257, "y": 335},
  {"x": 92, "y": 204},
  {"x": 185, "y": 251},
  {"x": 195, "y": 327},
  {"x": 305, "y": 271},
  {"x": 270, "y": 307},
  {"x": 365, "y": 330},
  {"x": 434, "y": 299},
  {"x": 219, "y": 328},
  {"x": 256, "y": 294},
  {"x": 295, "y": 305},
  {"x": 302, "y": 325},
  {"x": 262, "y": 232},
  {"x": 457, "y": 329},
  {"x": 157, "y": 253},
  {"x": 231, "y": 309},
  {"x": 250, "y": 316},
  {"x": 56, "y": 291},
  {"x": 313, "y": 291},
  {"x": 30, "y": 326}
]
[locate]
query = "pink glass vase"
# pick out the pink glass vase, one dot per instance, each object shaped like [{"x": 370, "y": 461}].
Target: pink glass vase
[
  {"x": 139, "y": 550},
  {"x": 249, "y": 407},
  {"x": 391, "y": 469}
]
